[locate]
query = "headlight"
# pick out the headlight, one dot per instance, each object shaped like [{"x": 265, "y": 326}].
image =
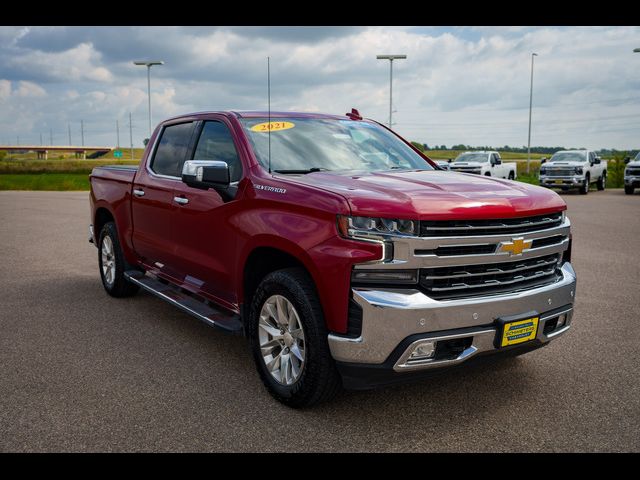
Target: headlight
[
  {"x": 579, "y": 170},
  {"x": 354, "y": 227}
]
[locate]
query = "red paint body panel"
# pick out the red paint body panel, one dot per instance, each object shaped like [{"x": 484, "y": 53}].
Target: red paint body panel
[{"x": 205, "y": 244}]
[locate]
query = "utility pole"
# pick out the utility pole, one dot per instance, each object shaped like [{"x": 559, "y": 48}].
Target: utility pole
[
  {"x": 40, "y": 138},
  {"x": 18, "y": 139},
  {"x": 131, "y": 135},
  {"x": 51, "y": 136},
  {"x": 391, "y": 58},
  {"x": 117, "y": 134},
  {"x": 82, "y": 131},
  {"x": 530, "y": 105},
  {"x": 69, "y": 128}
]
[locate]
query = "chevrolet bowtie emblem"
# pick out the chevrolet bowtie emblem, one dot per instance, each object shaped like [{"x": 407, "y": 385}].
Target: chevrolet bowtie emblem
[{"x": 516, "y": 247}]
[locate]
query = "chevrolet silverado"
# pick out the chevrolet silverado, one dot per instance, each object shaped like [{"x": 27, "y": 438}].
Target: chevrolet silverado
[{"x": 336, "y": 247}]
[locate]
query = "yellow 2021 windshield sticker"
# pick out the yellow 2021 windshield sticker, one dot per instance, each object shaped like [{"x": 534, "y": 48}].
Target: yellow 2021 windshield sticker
[{"x": 272, "y": 126}]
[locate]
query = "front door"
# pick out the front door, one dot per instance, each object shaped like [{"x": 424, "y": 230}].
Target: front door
[
  {"x": 152, "y": 202},
  {"x": 204, "y": 240}
]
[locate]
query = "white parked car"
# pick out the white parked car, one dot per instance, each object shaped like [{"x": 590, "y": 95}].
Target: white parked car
[
  {"x": 486, "y": 163},
  {"x": 632, "y": 175},
  {"x": 574, "y": 169}
]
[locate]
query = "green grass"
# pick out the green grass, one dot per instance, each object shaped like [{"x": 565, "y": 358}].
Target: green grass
[{"x": 45, "y": 181}]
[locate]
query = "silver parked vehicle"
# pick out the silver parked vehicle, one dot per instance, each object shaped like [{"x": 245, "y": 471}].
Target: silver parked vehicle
[{"x": 574, "y": 169}]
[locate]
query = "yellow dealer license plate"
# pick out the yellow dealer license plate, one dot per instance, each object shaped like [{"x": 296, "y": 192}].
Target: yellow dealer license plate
[
  {"x": 519, "y": 331},
  {"x": 558, "y": 181}
]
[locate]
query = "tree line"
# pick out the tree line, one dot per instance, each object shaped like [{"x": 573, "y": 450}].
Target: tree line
[{"x": 609, "y": 152}]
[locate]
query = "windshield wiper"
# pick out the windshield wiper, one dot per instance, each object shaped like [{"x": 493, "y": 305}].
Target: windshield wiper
[{"x": 303, "y": 171}]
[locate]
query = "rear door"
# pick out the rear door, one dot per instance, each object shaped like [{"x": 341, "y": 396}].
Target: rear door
[
  {"x": 152, "y": 202},
  {"x": 206, "y": 243}
]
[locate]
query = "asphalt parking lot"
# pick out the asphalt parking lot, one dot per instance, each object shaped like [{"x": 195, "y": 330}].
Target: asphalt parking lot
[{"x": 81, "y": 371}]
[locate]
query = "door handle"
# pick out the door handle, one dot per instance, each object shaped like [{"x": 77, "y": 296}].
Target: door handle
[
  {"x": 181, "y": 200},
  {"x": 138, "y": 193}
]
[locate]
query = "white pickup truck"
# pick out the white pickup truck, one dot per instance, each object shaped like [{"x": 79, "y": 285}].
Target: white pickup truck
[
  {"x": 486, "y": 163},
  {"x": 632, "y": 175},
  {"x": 574, "y": 169}
]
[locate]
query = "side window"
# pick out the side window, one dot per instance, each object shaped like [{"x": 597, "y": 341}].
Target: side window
[
  {"x": 216, "y": 143},
  {"x": 172, "y": 149}
]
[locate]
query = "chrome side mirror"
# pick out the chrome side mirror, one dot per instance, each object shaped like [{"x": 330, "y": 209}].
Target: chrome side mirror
[{"x": 206, "y": 174}]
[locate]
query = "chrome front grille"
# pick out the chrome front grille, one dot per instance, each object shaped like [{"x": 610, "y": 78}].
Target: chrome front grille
[
  {"x": 476, "y": 280},
  {"x": 561, "y": 172},
  {"x": 633, "y": 171},
  {"x": 507, "y": 226},
  {"x": 479, "y": 258}
]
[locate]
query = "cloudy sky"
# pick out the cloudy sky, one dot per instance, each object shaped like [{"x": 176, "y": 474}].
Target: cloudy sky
[{"x": 458, "y": 85}]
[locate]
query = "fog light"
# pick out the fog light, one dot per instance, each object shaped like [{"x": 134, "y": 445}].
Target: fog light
[
  {"x": 423, "y": 351},
  {"x": 562, "y": 320}
]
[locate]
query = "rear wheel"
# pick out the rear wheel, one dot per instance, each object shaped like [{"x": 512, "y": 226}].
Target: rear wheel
[
  {"x": 112, "y": 263},
  {"x": 584, "y": 188},
  {"x": 511, "y": 176},
  {"x": 628, "y": 190},
  {"x": 288, "y": 339},
  {"x": 602, "y": 181}
]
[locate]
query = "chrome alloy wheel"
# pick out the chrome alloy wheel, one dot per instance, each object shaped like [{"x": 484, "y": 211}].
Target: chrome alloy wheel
[
  {"x": 281, "y": 340},
  {"x": 108, "y": 260}
]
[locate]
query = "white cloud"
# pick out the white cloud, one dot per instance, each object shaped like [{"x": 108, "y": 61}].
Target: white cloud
[
  {"x": 5, "y": 89},
  {"x": 80, "y": 63},
  {"x": 29, "y": 89}
]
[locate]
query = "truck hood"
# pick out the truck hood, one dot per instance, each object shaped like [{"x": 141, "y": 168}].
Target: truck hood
[
  {"x": 434, "y": 195},
  {"x": 635, "y": 163}
]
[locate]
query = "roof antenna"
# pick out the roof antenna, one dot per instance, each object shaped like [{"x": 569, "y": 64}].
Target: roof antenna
[{"x": 269, "y": 109}]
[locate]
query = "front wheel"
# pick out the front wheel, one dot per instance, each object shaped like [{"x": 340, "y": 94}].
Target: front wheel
[
  {"x": 288, "y": 339},
  {"x": 584, "y": 188},
  {"x": 628, "y": 189},
  {"x": 602, "y": 182},
  {"x": 113, "y": 264}
]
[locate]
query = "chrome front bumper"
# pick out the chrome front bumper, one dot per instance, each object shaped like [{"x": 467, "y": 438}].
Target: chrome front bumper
[
  {"x": 631, "y": 180},
  {"x": 390, "y": 316},
  {"x": 572, "y": 181}
]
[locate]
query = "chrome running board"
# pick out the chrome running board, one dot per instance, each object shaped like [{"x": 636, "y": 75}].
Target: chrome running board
[{"x": 189, "y": 303}]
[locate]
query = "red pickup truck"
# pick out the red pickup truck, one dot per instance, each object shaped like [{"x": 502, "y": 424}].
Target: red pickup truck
[{"x": 345, "y": 255}]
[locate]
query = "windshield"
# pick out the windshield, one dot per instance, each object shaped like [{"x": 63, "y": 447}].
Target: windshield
[
  {"x": 472, "y": 157},
  {"x": 568, "y": 157},
  {"x": 303, "y": 145},
  {"x": 637, "y": 159}
]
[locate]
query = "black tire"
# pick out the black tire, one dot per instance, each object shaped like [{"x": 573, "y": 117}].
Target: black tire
[
  {"x": 628, "y": 190},
  {"x": 119, "y": 285},
  {"x": 488, "y": 174},
  {"x": 511, "y": 176},
  {"x": 584, "y": 188},
  {"x": 319, "y": 379},
  {"x": 602, "y": 181}
]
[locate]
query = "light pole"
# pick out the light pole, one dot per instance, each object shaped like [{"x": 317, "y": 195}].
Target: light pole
[
  {"x": 391, "y": 58},
  {"x": 530, "y": 105},
  {"x": 149, "y": 64}
]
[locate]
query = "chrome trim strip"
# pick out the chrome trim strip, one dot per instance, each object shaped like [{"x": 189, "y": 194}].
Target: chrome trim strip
[
  {"x": 491, "y": 283},
  {"x": 500, "y": 226},
  {"x": 482, "y": 341},
  {"x": 490, "y": 271}
]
